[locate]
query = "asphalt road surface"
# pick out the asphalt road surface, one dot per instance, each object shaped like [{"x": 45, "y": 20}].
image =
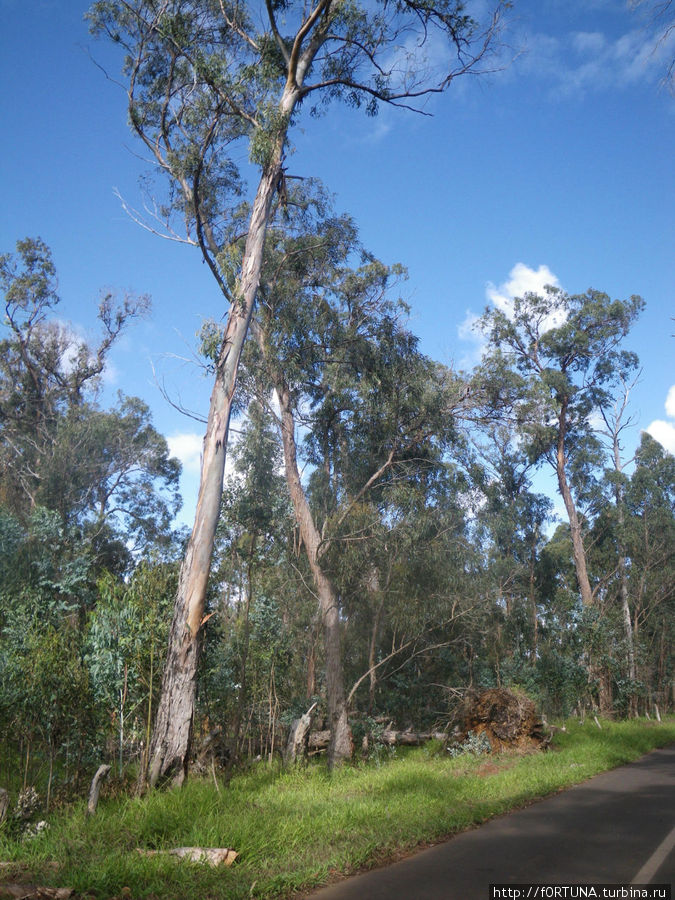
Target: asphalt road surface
[{"x": 617, "y": 828}]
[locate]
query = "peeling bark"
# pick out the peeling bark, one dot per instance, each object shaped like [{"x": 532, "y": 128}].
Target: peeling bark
[{"x": 172, "y": 734}]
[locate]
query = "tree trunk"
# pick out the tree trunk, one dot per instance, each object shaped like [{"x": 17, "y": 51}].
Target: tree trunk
[
  {"x": 4, "y": 804},
  {"x": 533, "y": 603},
  {"x": 340, "y": 746},
  {"x": 95, "y": 788},
  {"x": 623, "y": 578},
  {"x": 172, "y": 733},
  {"x": 310, "y": 689},
  {"x": 243, "y": 664},
  {"x": 296, "y": 746},
  {"x": 373, "y": 588},
  {"x": 575, "y": 525}
]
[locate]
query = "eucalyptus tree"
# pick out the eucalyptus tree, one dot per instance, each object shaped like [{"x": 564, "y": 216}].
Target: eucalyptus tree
[
  {"x": 660, "y": 14},
  {"x": 107, "y": 473},
  {"x": 348, "y": 374},
  {"x": 650, "y": 543},
  {"x": 511, "y": 524},
  {"x": 553, "y": 361},
  {"x": 615, "y": 422},
  {"x": 209, "y": 82}
]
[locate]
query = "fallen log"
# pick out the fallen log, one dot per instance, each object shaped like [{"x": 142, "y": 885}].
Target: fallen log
[
  {"x": 318, "y": 740},
  {"x": 410, "y": 738},
  {"x": 214, "y": 856}
]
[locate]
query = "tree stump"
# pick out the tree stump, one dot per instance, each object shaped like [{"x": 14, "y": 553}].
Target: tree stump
[{"x": 298, "y": 738}]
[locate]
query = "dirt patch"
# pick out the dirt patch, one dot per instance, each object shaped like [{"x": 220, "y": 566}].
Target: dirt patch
[{"x": 488, "y": 769}]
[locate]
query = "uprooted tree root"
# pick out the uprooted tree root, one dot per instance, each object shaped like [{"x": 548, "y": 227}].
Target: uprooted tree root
[{"x": 508, "y": 720}]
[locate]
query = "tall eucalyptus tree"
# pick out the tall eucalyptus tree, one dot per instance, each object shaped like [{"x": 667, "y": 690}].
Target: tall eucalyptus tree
[
  {"x": 207, "y": 81},
  {"x": 553, "y": 362}
]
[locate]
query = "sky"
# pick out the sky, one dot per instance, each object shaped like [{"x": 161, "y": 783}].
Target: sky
[{"x": 557, "y": 168}]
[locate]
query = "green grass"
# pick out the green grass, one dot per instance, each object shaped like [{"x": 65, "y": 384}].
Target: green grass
[{"x": 296, "y": 830}]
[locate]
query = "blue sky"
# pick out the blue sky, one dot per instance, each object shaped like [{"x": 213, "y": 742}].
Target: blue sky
[{"x": 559, "y": 166}]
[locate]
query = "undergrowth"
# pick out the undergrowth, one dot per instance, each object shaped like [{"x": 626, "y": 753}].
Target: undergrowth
[{"x": 298, "y": 829}]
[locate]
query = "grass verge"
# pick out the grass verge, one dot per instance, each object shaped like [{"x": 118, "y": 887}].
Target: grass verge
[{"x": 296, "y": 830}]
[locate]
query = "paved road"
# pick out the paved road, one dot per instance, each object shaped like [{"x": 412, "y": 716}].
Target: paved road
[{"x": 610, "y": 830}]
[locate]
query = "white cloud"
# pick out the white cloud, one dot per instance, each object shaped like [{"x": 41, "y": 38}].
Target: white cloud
[
  {"x": 670, "y": 403},
  {"x": 664, "y": 432},
  {"x": 522, "y": 280},
  {"x": 588, "y": 41},
  {"x": 110, "y": 373},
  {"x": 75, "y": 345},
  {"x": 187, "y": 447},
  {"x": 468, "y": 331},
  {"x": 596, "y": 422},
  {"x": 582, "y": 61}
]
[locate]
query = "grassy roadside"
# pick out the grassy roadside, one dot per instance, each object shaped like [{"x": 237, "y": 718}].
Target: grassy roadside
[{"x": 296, "y": 830}]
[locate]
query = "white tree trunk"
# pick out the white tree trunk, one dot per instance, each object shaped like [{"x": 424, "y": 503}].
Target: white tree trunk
[{"x": 172, "y": 734}]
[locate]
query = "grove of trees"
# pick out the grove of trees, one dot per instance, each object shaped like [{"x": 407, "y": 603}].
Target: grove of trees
[{"x": 380, "y": 549}]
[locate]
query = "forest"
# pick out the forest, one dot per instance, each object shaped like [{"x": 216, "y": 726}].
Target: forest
[
  {"x": 380, "y": 544},
  {"x": 415, "y": 515}
]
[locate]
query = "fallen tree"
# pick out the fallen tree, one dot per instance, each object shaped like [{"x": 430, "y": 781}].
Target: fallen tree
[{"x": 507, "y": 719}]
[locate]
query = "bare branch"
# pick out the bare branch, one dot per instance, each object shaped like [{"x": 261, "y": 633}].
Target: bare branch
[
  {"x": 281, "y": 44},
  {"x": 166, "y": 232}
]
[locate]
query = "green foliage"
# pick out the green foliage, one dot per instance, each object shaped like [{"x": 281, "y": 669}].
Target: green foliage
[
  {"x": 125, "y": 646},
  {"x": 557, "y": 355},
  {"x": 81, "y": 488},
  {"x": 106, "y": 472}
]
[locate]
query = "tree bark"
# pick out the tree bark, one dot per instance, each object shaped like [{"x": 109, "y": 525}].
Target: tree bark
[
  {"x": 95, "y": 788},
  {"x": 575, "y": 525},
  {"x": 172, "y": 734},
  {"x": 296, "y": 746},
  {"x": 623, "y": 576},
  {"x": 341, "y": 745},
  {"x": 373, "y": 588},
  {"x": 310, "y": 689},
  {"x": 4, "y": 804},
  {"x": 533, "y": 603}
]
